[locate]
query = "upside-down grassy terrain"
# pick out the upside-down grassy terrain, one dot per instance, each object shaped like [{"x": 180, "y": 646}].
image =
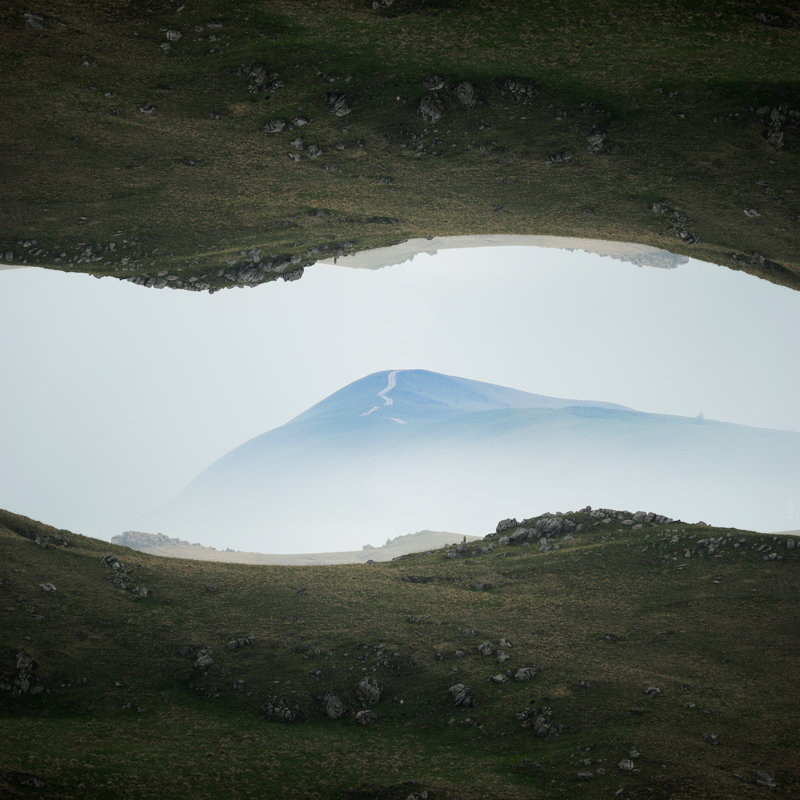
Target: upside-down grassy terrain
[
  {"x": 134, "y": 143},
  {"x": 666, "y": 658}
]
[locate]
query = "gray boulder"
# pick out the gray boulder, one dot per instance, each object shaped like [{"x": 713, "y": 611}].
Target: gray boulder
[
  {"x": 462, "y": 695},
  {"x": 337, "y": 104},
  {"x": 366, "y": 717},
  {"x": 369, "y": 691},
  {"x": 203, "y": 660},
  {"x": 430, "y": 109},
  {"x": 333, "y": 706},
  {"x": 466, "y": 94},
  {"x": 278, "y": 709},
  {"x": 274, "y": 126}
]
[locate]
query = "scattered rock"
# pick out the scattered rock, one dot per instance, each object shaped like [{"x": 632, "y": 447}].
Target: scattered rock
[
  {"x": 560, "y": 157},
  {"x": 48, "y": 587},
  {"x": 235, "y": 644},
  {"x": 486, "y": 649},
  {"x": 521, "y": 90},
  {"x": 366, "y": 717},
  {"x": 766, "y": 780},
  {"x": 23, "y": 681},
  {"x": 26, "y": 779},
  {"x": 433, "y": 83},
  {"x": 278, "y": 709},
  {"x": 333, "y": 706},
  {"x": 466, "y": 94},
  {"x": 147, "y": 108},
  {"x": 501, "y": 677},
  {"x": 525, "y": 673},
  {"x": 258, "y": 78},
  {"x": 751, "y": 212},
  {"x": 337, "y": 104},
  {"x": 369, "y": 691},
  {"x": 462, "y": 695},
  {"x": 653, "y": 691},
  {"x": 35, "y": 21},
  {"x": 596, "y": 140},
  {"x": 430, "y": 109},
  {"x": 203, "y": 660},
  {"x": 173, "y": 35},
  {"x": 274, "y": 126},
  {"x": 540, "y": 720},
  {"x": 626, "y": 765}
]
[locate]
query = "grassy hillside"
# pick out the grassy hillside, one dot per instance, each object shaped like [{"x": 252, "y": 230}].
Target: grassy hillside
[
  {"x": 666, "y": 658},
  {"x": 204, "y": 145}
]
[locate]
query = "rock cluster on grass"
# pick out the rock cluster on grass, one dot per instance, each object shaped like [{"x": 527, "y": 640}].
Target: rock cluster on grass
[
  {"x": 23, "y": 680},
  {"x": 540, "y": 720},
  {"x": 278, "y": 709}
]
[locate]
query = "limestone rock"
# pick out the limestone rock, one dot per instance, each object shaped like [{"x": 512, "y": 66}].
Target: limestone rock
[
  {"x": 462, "y": 695},
  {"x": 430, "y": 109},
  {"x": 466, "y": 94},
  {"x": 337, "y": 104},
  {"x": 274, "y": 126},
  {"x": 280, "y": 710},
  {"x": 203, "y": 660},
  {"x": 369, "y": 691},
  {"x": 521, "y": 90},
  {"x": 333, "y": 706}
]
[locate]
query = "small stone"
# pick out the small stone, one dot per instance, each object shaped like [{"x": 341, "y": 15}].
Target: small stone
[
  {"x": 48, "y": 587},
  {"x": 173, "y": 35},
  {"x": 274, "y": 126},
  {"x": 653, "y": 691},
  {"x": 147, "y": 108},
  {"x": 626, "y": 765}
]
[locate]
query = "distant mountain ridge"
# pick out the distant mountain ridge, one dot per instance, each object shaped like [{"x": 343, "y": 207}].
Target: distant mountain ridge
[
  {"x": 404, "y": 450},
  {"x": 161, "y": 545}
]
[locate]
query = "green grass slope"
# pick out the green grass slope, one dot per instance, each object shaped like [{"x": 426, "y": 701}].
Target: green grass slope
[
  {"x": 135, "y": 141},
  {"x": 666, "y": 658}
]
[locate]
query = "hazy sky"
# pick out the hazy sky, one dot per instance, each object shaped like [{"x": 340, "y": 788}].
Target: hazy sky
[{"x": 115, "y": 396}]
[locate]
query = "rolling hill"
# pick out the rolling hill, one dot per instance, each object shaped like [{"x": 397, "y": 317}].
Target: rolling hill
[{"x": 588, "y": 654}]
